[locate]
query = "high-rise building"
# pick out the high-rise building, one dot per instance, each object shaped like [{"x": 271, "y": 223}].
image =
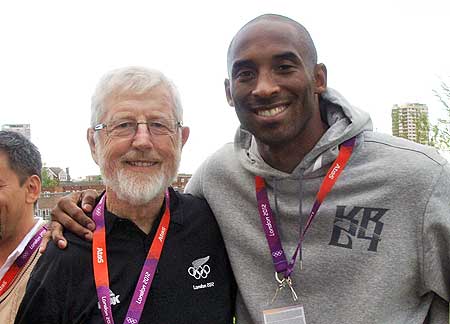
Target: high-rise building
[
  {"x": 410, "y": 121},
  {"x": 23, "y": 129}
]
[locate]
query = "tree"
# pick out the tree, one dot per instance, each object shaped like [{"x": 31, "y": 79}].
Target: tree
[
  {"x": 440, "y": 132},
  {"x": 48, "y": 181},
  {"x": 422, "y": 128}
]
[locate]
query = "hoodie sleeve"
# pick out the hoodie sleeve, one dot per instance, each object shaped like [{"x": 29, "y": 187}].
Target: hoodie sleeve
[{"x": 436, "y": 238}]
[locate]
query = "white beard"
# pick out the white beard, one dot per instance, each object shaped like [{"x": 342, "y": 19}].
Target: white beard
[{"x": 137, "y": 188}]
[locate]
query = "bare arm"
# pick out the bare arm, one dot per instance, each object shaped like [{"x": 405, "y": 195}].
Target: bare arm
[{"x": 67, "y": 215}]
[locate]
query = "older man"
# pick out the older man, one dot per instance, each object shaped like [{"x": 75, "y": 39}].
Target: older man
[
  {"x": 157, "y": 255},
  {"x": 20, "y": 231}
]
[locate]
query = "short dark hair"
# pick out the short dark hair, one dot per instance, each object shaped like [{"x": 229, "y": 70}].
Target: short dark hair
[
  {"x": 302, "y": 31},
  {"x": 23, "y": 156}
]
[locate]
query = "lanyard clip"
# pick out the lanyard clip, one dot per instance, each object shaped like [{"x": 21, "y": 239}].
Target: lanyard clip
[{"x": 286, "y": 281}]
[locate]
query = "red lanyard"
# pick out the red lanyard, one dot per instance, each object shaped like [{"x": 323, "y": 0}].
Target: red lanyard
[
  {"x": 268, "y": 220},
  {"x": 21, "y": 260},
  {"x": 100, "y": 262}
]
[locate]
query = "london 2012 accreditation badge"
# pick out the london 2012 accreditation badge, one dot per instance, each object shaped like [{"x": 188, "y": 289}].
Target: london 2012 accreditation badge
[{"x": 285, "y": 315}]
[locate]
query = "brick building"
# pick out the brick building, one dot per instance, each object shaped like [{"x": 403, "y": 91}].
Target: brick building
[{"x": 51, "y": 195}]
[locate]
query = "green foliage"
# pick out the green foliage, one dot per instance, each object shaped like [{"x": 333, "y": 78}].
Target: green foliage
[
  {"x": 48, "y": 181},
  {"x": 440, "y": 132},
  {"x": 398, "y": 119},
  {"x": 422, "y": 129}
]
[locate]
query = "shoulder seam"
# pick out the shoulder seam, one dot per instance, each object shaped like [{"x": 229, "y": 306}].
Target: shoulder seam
[{"x": 408, "y": 149}]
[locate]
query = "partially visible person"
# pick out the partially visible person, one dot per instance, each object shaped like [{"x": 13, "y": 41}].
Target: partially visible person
[
  {"x": 20, "y": 232},
  {"x": 157, "y": 255}
]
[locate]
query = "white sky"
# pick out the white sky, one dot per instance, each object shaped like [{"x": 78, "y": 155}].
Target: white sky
[{"x": 378, "y": 53}]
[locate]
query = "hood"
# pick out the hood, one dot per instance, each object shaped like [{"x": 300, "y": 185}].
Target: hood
[{"x": 345, "y": 122}]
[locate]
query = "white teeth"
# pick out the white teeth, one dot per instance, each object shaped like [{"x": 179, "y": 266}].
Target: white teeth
[
  {"x": 141, "y": 164},
  {"x": 271, "y": 112}
]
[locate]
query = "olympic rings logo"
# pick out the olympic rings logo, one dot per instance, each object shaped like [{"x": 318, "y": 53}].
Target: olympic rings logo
[
  {"x": 200, "y": 272},
  {"x": 277, "y": 254},
  {"x": 131, "y": 320}
]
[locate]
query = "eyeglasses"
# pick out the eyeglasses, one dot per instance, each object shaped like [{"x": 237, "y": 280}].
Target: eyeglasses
[{"x": 128, "y": 128}]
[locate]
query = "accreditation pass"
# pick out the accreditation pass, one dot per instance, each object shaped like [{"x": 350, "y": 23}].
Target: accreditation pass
[{"x": 285, "y": 315}]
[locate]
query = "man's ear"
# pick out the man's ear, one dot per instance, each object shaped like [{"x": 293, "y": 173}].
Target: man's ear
[
  {"x": 320, "y": 78},
  {"x": 33, "y": 189},
  {"x": 185, "y": 131},
  {"x": 90, "y": 138},
  {"x": 228, "y": 92}
]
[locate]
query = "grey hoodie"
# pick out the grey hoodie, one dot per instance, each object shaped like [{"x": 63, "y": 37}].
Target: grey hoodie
[{"x": 378, "y": 250}]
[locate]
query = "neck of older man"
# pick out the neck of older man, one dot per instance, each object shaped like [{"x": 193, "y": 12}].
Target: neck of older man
[{"x": 141, "y": 215}]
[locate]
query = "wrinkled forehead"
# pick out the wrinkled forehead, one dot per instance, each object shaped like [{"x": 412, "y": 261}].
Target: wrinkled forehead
[{"x": 157, "y": 101}]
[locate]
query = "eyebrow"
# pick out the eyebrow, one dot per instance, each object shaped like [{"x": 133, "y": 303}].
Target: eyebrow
[
  {"x": 131, "y": 117},
  {"x": 241, "y": 63},
  {"x": 289, "y": 56}
]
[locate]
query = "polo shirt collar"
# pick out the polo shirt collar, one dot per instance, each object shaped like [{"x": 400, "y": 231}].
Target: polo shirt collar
[{"x": 176, "y": 214}]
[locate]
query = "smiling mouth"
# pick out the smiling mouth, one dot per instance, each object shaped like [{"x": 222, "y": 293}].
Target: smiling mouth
[
  {"x": 271, "y": 111},
  {"x": 141, "y": 163}
]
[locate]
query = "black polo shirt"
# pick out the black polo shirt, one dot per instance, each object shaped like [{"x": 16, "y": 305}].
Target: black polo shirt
[{"x": 193, "y": 282}]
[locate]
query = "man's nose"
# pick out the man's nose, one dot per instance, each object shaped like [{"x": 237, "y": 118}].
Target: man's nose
[
  {"x": 266, "y": 86},
  {"x": 143, "y": 139}
]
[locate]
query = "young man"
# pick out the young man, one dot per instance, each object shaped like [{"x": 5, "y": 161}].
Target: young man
[
  {"x": 20, "y": 232},
  {"x": 307, "y": 182},
  {"x": 159, "y": 256}
]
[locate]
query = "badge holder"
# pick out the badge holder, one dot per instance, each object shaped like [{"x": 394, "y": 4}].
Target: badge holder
[{"x": 285, "y": 315}]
